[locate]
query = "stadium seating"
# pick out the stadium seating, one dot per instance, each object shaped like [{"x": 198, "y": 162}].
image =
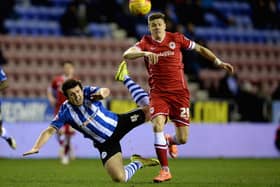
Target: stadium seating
[
  {"x": 237, "y": 35},
  {"x": 34, "y": 61},
  {"x": 99, "y": 30},
  {"x": 33, "y": 27},
  {"x": 39, "y": 13},
  {"x": 42, "y": 20},
  {"x": 60, "y": 3},
  {"x": 252, "y": 62},
  {"x": 232, "y": 8}
]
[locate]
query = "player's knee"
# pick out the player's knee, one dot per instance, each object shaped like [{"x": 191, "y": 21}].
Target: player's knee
[
  {"x": 146, "y": 110},
  {"x": 120, "y": 177},
  {"x": 183, "y": 140},
  {"x": 158, "y": 123},
  {"x": 158, "y": 127}
]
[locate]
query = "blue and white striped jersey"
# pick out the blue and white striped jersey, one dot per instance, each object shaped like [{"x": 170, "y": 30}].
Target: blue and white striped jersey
[
  {"x": 92, "y": 119},
  {"x": 2, "y": 75}
]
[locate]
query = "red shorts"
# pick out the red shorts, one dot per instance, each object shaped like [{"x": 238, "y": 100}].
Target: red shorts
[
  {"x": 174, "y": 105},
  {"x": 67, "y": 130}
]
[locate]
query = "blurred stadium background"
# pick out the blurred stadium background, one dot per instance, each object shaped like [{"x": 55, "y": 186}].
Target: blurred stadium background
[{"x": 233, "y": 116}]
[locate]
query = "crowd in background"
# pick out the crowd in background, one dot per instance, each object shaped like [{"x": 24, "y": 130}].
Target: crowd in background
[{"x": 184, "y": 15}]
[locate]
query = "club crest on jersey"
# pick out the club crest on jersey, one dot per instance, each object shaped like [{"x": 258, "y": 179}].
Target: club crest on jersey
[
  {"x": 103, "y": 154},
  {"x": 172, "y": 45},
  {"x": 152, "y": 110}
]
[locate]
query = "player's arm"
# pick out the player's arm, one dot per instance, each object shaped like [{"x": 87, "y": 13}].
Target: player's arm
[
  {"x": 41, "y": 140},
  {"x": 213, "y": 58},
  {"x": 135, "y": 52},
  {"x": 3, "y": 85},
  {"x": 102, "y": 93}
]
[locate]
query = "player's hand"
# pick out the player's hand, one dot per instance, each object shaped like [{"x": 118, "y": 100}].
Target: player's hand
[
  {"x": 228, "y": 67},
  {"x": 96, "y": 97},
  {"x": 152, "y": 57},
  {"x": 31, "y": 152}
]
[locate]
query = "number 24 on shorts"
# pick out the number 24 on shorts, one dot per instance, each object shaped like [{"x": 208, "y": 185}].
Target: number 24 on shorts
[{"x": 185, "y": 112}]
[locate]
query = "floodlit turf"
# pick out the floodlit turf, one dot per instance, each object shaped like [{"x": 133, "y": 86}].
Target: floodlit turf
[{"x": 186, "y": 173}]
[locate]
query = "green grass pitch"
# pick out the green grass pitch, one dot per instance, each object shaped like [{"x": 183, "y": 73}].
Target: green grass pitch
[{"x": 186, "y": 173}]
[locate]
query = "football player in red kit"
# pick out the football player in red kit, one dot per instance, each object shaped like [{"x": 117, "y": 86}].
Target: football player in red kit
[
  {"x": 56, "y": 98},
  {"x": 169, "y": 94}
]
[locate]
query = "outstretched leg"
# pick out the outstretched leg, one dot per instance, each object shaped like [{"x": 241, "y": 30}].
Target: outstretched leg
[
  {"x": 142, "y": 99},
  {"x": 119, "y": 173},
  {"x": 139, "y": 95}
]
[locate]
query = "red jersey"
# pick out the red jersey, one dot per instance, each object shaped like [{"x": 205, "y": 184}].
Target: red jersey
[
  {"x": 168, "y": 73},
  {"x": 56, "y": 87}
]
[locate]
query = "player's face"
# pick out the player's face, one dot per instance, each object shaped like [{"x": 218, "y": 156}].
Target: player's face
[
  {"x": 157, "y": 28},
  {"x": 75, "y": 96},
  {"x": 68, "y": 70}
]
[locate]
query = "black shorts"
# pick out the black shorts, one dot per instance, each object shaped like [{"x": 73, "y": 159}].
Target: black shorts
[
  {"x": 0, "y": 119},
  {"x": 126, "y": 123}
]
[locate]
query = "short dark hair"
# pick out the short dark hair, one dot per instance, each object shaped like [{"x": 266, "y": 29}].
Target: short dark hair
[
  {"x": 67, "y": 62},
  {"x": 156, "y": 15},
  {"x": 70, "y": 83}
]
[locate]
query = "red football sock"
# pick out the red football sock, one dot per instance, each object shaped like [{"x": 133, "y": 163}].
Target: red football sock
[
  {"x": 162, "y": 155},
  {"x": 161, "y": 148},
  {"x": 66, "y": 149}
]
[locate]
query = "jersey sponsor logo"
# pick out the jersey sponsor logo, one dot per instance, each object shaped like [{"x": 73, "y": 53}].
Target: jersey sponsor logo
[
  {"x": 166, "y": 53},
  {"x": 172, "y": 45},
  {"x": 103, "y": 154},
  {"x": 134, "y": 117}
]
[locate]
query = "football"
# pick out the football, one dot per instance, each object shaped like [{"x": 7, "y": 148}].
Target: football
[{"x": 140, "y": 7}]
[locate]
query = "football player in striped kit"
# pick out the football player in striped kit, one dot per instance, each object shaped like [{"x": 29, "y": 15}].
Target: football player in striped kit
[
  {"x": 3, "y": 132},
  {"x": 85, "y": 113}
]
